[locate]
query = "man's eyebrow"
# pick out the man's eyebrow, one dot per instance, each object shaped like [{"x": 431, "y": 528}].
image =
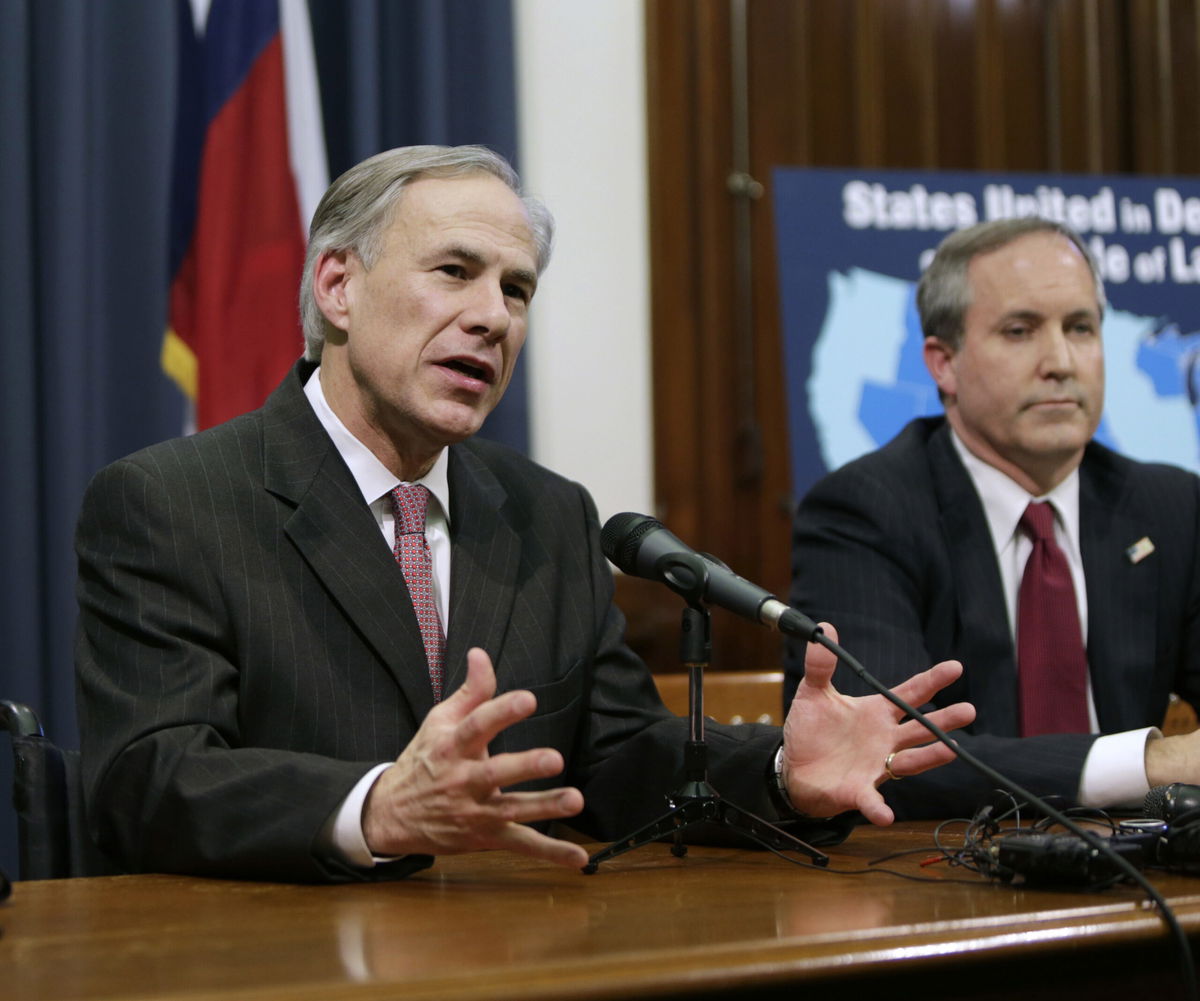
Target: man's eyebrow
[
  {"x": 470, "y": 256},
  {"x": 463, "y": 253},
  {"x": 524, "y": 276},
  {"x": 1025, "y": 315},
  {"x": 1034, "y": 316}
]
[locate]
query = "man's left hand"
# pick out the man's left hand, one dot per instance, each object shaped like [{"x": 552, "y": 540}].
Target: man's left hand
[{"x": 836, "y": 747}]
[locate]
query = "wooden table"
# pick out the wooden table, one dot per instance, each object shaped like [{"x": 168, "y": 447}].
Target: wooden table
[{"x": 720, "y": 923}]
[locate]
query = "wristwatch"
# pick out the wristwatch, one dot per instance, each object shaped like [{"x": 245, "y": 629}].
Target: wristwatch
[{"x": 778, "y": 787}]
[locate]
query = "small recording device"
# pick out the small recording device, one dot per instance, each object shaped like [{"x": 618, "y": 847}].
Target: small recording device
[{"x": 1044, "y": 859}]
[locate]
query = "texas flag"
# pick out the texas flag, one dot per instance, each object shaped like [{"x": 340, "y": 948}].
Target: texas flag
[{"x": 249, "y": 169}]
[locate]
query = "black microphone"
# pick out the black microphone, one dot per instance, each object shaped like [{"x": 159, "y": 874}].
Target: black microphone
[
  {"x": 642, "y": 547},
  {"x": 1178, "y": 805},
  {"x": 1171, "y": 802}
]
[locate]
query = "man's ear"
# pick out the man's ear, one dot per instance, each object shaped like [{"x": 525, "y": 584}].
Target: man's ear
[
  {"x": 331, "y": 275},
  {"x": 939, "y": 359}
]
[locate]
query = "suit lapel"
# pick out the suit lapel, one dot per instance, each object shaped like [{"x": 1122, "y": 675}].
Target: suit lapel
[
  {"x": 1122, "y": 596},
  {"x": 485, "y": 557},
  {"x": 333, "y": 529},
  {"x": 985, "y": 637}
]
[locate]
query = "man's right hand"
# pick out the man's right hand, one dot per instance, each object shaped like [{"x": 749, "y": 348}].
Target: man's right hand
[{"x": 444, "y": 794}]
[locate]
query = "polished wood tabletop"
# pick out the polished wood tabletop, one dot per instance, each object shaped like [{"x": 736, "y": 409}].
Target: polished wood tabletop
[{"x": 720, "y": 922}]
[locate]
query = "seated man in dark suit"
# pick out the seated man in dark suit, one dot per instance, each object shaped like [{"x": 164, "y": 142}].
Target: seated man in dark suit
[
  {"x": 930, "y": 548},
  {"x": 340, "y": 635}
]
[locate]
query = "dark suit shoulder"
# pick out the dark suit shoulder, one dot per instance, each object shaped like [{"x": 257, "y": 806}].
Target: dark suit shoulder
[
  {"x": 1151, "y": 497},
  {"x": 235, "y": 450},
  {"x": 1102, "y": 464},
  {"x": 897, "y": 458},
  {"x": 899, "y": 472},
  {"x": 521, "y": 477},
  {"x": 228, "y": 450}
]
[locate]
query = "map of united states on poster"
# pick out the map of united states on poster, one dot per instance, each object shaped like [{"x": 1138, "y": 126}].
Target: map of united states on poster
[{"x": 851, "y": 248}]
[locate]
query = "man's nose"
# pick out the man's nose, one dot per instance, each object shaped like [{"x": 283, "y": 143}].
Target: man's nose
[
  {"x": 487, "y": 313},
  {"x": 1058, "y": 359}
]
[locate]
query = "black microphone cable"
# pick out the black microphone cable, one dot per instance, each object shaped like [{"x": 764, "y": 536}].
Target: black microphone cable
[{"x": 1187, "y": 970}]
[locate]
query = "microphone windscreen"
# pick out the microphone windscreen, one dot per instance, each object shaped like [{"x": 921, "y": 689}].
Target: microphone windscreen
[
  {"x": 1171, "y": 802},
  {"x": 622, "y": 535},
  {"x": 1155, "y": 804}
]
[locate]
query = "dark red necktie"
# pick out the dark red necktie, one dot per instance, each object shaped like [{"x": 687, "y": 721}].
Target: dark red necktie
[
  {"x": 409, "y": 501},
  {"x": 1051, "y": 660}
]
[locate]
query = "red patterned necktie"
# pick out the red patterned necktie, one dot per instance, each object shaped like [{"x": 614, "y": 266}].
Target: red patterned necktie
[
  {"x": 409, "y": 501},
  {"x": 1051, "y": 660}
]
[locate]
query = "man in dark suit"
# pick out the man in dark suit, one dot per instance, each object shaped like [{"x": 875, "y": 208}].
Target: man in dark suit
[
  {"x": 268, "y": 687},
  {"x": 918, "y": 551}
]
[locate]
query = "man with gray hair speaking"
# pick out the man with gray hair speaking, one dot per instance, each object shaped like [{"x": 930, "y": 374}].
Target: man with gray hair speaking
[
  {"x": 1063, "y": 576},
  {"x": 340, "y": 635}
]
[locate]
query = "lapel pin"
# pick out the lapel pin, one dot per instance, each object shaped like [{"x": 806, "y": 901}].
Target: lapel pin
[{"x": 1139, "y": 550}]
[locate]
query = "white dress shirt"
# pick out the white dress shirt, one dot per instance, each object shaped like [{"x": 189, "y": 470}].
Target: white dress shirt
[{"x": 1114, "y": 773}]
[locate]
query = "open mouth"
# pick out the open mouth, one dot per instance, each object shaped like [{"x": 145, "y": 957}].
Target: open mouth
[{"x": 466, "y": 368}]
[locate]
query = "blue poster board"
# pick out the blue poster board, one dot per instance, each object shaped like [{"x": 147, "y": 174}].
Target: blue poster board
[{"x": 852, "y": 245}]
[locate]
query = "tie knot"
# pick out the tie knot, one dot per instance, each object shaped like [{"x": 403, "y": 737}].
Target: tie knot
[
  {"x": 1038, "y": 520},
  {"x": 409, "y": 501}
]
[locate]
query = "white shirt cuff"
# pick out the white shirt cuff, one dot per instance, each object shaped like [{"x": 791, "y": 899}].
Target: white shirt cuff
[
  {"x": 1114, "y": 774},
  {"x": 342, "y": 834}
]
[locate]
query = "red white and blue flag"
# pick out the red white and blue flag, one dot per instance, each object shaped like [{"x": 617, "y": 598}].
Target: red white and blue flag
[{"x": 249, "y": 169}]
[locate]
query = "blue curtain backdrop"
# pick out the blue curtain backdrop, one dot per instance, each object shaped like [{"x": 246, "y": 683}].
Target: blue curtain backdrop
[{"x": 86, "y": 119}]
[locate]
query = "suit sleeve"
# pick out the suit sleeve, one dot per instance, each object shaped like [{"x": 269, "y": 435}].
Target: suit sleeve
[
  {"x": 868, "y": 556},
  {"x": 168, "y": 783},
  {"x": 1175, "y": 497}
]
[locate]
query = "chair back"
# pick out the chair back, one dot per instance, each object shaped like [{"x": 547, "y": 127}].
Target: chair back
[
  {"x": 52, "y": 836},
  {"x": 1180, "y": 718},
  {"x": 729, "y": 696}
]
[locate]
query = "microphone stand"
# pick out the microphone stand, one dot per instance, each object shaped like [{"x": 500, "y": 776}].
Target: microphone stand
[{"x": 696, "y": 801}]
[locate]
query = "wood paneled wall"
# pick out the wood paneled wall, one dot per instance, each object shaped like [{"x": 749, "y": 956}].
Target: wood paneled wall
[{"x": 1104, "y": 86}]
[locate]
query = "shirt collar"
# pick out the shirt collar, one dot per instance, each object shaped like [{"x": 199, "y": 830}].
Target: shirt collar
[
  {"x": 1004, "y": 500},
  {"x": 373, "y": 478}
]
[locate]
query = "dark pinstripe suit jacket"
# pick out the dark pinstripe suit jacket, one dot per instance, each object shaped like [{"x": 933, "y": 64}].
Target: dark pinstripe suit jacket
[
  {"x": 247, "y": 649},
  {"x": 895, "y": 551}
]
